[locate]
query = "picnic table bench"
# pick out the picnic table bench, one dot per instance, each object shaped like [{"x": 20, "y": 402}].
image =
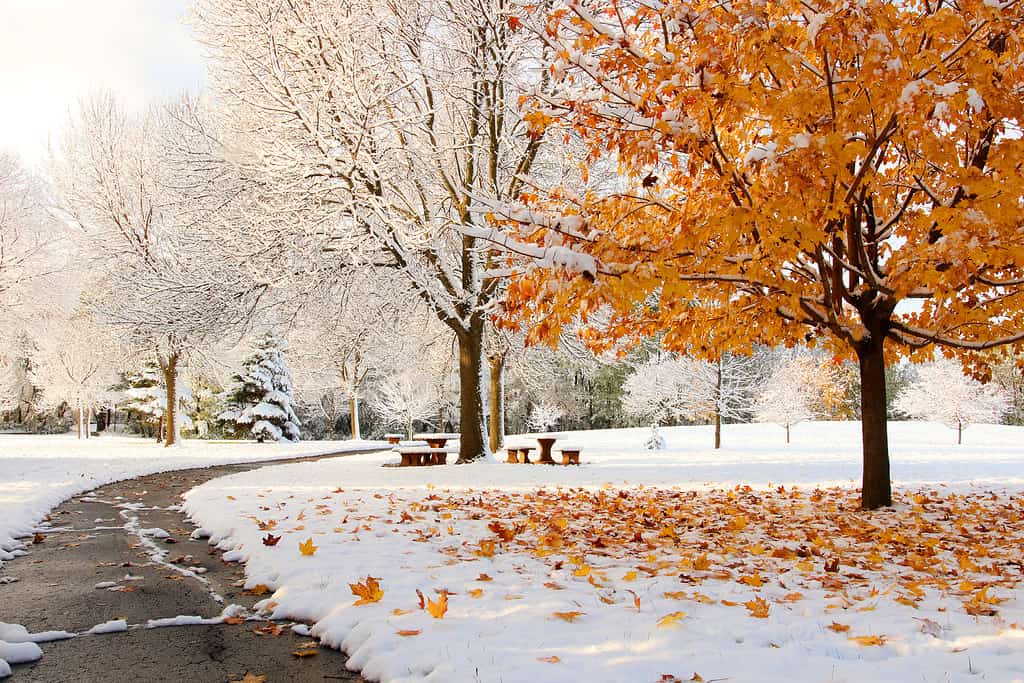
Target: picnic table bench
[
  {"x": 428, "y": 449},
  {"x": 521, "y": 454},
  {"x": 423, "y": 455},
  {"x": 570, "y": 454},
  {"x": 393, "y": 439}
]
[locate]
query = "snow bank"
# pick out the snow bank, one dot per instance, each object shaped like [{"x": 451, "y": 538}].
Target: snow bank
[
  {"x": 38, "y": 473},
  {"x": 519, "y": 615}
]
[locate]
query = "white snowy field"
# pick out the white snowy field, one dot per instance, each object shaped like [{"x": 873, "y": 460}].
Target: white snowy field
[
  {"x": 641, "y": 566},
  {"x": 39, "y": 472}
]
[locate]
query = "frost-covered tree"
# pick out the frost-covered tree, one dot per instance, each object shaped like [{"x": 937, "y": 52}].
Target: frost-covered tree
[
  {"x": 348, "y": 337},
  {"x": 1009, "y": 374},
  {"x": 653, "y": 391},
  {"x": 143, "y": 188},
  {"x": 943, "y": 393},
  {"x": 790, "y": 394},
  {"x": 680, "y": 387},
  {"x": 404, "y": 398},
  {"x": 386, "y": 126},
  {"x": 28, "y": 232},
  {"x": 75, "y": 363},
  {"x": 543, "y": 417},
  {"x": 421, "y": 384},
  {"x": 261, "y": 402},
  {"x": 562, "y": 378}
]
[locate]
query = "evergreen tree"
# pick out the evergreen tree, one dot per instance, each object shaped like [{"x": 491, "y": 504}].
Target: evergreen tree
[{"x": 261, "y": 404}]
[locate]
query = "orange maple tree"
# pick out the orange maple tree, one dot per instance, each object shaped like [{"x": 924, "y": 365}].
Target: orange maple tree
[{"x": 803, "y": 171}]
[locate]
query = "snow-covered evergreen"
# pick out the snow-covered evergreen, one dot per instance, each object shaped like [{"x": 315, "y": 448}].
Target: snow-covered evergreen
[
  {"x": 261, "y": 403},
  {"x": 655, "y": 442}
]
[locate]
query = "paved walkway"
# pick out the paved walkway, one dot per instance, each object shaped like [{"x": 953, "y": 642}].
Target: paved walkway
[{"x": 99, "y": 537}]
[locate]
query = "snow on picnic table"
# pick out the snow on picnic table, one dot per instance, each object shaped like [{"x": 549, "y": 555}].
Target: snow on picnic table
[
  {"x": 38, "y": 472},
  {"x": 650, "y": 566}
]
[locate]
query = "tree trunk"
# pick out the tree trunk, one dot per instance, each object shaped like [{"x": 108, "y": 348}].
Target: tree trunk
[
  {"x": 876, "y": 490},
  {"x": 718, "y": 405},
  {"x": 88, "y": 421},
  {"x": 959, "y": 433},
  {"x": 409, "y": 428},
  {"x": 81, "y": 420},
  {"x": 787, "y": 434},
  {"x": 353, "y": 406},
  {"x": 169, "y": 368},
  {"x": 496, "y": 424},
  {"x": 472, "y": 441}
]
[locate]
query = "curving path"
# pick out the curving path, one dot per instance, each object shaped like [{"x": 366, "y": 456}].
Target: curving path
[{"x": 107, "y": 536}]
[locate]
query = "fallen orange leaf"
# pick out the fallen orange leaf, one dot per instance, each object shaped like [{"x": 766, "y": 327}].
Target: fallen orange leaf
[
  {"x": 758, "y": 608},
  {"x": 868, "y": 641},
  {"x": 568, "y": 616},
  {"x": 670, "y": 619},
  {"x": 367, "y": 591},
  {"x": 439, "y": 608}
]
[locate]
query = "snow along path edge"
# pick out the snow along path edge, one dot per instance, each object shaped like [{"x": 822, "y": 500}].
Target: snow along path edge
[{"x": 30, "y": 494}]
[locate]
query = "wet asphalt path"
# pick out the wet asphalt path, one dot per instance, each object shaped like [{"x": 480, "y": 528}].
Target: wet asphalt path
[{"x": 101, "y": 537}]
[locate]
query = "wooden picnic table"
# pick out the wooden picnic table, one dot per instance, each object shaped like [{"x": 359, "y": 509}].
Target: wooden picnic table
[
  {"x": 437, "y": 441},
  {"x": 521, "y": 454},
  {"x": 546, "y": 442}
]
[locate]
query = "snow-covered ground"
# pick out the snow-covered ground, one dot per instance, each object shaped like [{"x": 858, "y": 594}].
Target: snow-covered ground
[
  {"x": 650, "y": 566},
  {"x": 37, "y": 472}
]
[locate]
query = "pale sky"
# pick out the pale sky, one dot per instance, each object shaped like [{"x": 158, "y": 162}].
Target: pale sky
[{"x": 52, "y": 52}]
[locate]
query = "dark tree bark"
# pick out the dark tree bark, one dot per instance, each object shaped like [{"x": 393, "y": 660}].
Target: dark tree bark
[
  {"x": 472, "y": 444},
  {"x": 876, "y": 488},
  {"x": 718, "y": 405}
]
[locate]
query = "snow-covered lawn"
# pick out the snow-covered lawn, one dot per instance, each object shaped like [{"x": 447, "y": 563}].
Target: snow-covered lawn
[
  {"x": 650, "y": 567},
  {"x": 39, "y": 472}
]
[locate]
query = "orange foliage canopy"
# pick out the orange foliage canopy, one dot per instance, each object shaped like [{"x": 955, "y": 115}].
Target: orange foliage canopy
[
  {"x": 850, "y": 167},
  {"x": 790, "y": 165}
]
